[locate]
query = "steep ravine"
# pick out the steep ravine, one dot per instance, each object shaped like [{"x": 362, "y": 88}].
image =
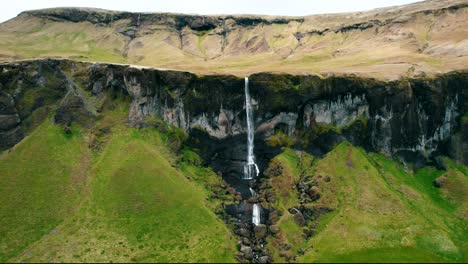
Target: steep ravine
[{"x": 417, "y": 120}]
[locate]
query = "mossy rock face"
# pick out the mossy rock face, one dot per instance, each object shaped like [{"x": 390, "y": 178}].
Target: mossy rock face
[{"x": 32, "y": 91}]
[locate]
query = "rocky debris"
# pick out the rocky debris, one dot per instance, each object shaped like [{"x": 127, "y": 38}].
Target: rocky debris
[
  {"x": 251, "y": 244},
  {"x": 441, "y": 181}
]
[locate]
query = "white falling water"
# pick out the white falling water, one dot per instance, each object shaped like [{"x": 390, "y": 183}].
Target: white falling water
[
  {"x": 256, "y": 214},
  {"x": 251, "y": 168}
]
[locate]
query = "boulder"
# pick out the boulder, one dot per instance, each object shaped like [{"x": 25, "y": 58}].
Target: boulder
[
  {"x": 294, "y": 210},
  {"x": 247, "y": 251},
  {"x": 260, "y": 231},
  {"x": 299, "y": 219},
  {"x": 8, "y": 122},
  {"x": 243, "y": 232}
]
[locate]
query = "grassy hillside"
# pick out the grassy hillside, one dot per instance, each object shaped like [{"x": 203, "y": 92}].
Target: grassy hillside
[
  {"x": 122, "y": 194},
  {"x": 381, "y": 213},
  {"x": 41, "y": 180},
  {"x": 386, "y": 43},
  {"x": 131, "y": 202}
]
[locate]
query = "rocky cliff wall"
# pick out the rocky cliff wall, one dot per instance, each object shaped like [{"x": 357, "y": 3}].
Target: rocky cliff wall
[{"x": 406, "y": 117}]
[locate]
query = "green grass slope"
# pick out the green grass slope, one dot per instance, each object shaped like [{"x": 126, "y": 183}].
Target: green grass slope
[
  {"x": 40, "y": 183},
  {"x": 134, "y": 204},
  {"x": 381, "y": 212}
]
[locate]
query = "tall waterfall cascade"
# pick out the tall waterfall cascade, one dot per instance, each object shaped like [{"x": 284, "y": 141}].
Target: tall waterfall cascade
[{"x": 250, "y": 169}]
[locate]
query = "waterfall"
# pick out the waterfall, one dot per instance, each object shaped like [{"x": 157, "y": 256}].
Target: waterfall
[
  {"x": 250, "y": 168},
  {"x": 256, "y": 214}
]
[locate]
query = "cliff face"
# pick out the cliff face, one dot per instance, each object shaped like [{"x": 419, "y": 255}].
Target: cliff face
[
  {"x": 411, "y": 117},
  {"x": 407, "y": 41}
]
